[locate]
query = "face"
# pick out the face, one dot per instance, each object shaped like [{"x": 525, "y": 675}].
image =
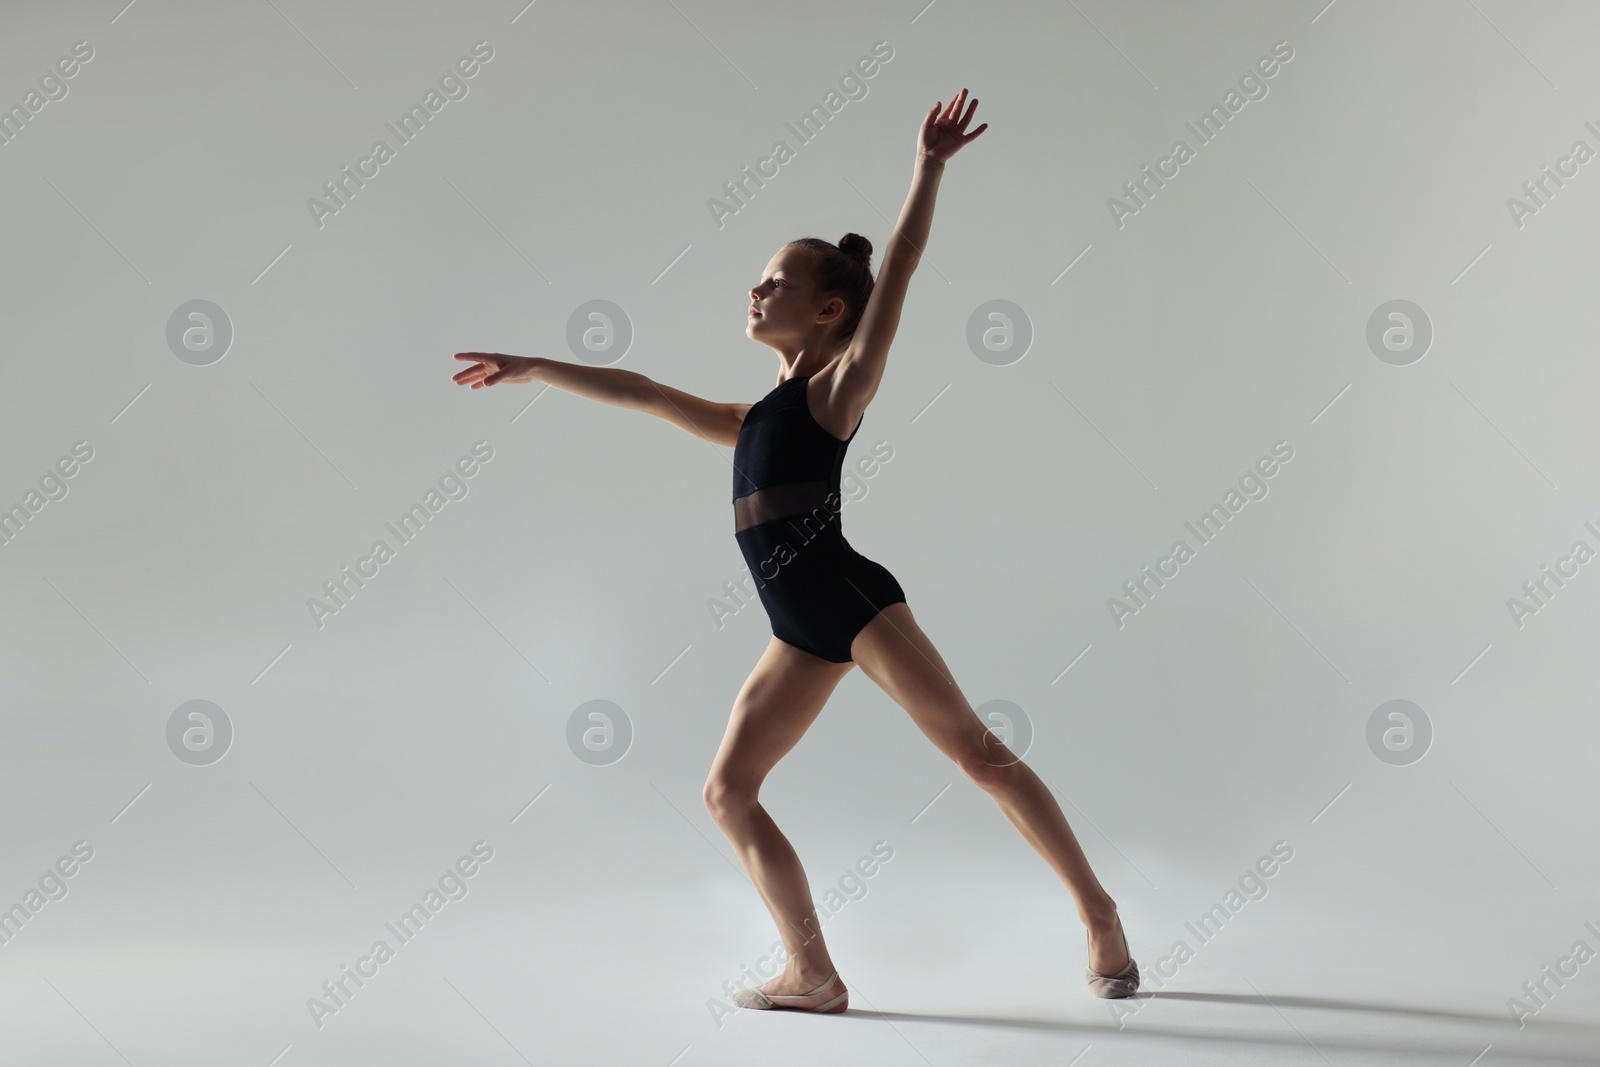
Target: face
[{"x": 785, "y": 303}]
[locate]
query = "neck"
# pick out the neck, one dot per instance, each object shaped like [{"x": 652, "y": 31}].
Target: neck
[{"x": 804, "y": 360}]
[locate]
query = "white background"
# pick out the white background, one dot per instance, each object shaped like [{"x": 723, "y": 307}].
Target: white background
[{"x": 1230, "y": 313}]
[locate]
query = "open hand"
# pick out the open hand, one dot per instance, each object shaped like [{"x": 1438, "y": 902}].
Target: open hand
[
  {"x": 944, "y": 133},
  {"x": 491, "y": 368}
]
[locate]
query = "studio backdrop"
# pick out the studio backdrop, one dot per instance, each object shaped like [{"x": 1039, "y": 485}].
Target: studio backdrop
[{"x": 1237, "y": 449}]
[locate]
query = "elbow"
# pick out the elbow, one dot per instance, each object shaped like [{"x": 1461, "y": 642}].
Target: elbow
[
  {"x": 900, "y": 257},
  {"x": 637, "y": 391}
]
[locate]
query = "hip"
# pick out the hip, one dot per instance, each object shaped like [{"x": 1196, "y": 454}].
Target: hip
[{"x": 781, "y": 551}]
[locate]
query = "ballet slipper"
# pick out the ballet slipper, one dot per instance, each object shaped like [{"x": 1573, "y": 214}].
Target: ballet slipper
[
  {"x": 1125, "y": 983},
  {"x": 820, "y": 999}
]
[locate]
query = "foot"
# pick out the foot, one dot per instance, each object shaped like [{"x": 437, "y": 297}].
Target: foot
[
  {"x": 1108, "y": 945},
  {"x": 798, "y": 991},
  {"x": 1111, "y": 971},
  {"x": 794, "y": 983}
]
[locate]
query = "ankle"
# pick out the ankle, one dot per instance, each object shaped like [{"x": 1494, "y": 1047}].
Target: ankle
[
  {"x": 1099, "y": 915},
  {"x": 809, "y": 974}
]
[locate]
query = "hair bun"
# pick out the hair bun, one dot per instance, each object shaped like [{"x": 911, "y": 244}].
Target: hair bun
[{"x": 856, "y": 245}]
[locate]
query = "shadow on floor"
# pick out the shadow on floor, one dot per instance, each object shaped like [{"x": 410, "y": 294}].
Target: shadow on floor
[{"x": 1543, "y": 1041}]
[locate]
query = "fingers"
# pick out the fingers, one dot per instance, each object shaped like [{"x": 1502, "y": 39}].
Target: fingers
[
  {"x": 954, "y": 115},
  {"x": 472, "y": 374},
  {"x": 955, "y": 104}
]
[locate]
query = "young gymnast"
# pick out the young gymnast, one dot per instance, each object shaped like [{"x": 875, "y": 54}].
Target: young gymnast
[{"x": 831, "y": 608}]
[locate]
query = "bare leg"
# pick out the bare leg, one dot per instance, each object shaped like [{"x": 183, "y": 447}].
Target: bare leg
[
  {"x": 893, "y": 651},
  {"x": 778, "y": 702}
]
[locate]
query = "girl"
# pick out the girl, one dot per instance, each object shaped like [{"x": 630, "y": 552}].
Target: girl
[{"x": 831, "y": 608}]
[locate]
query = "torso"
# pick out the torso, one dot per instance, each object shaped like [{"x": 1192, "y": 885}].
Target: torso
[
  {"x": 788, "y": 438},
  {"x": 788, "y": 460},
  {"x": 839, "y": 423}
]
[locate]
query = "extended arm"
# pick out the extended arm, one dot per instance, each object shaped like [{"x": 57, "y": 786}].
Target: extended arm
[
  {"x": 861, "y": 367},
  {"x": 718, "y": 423}
]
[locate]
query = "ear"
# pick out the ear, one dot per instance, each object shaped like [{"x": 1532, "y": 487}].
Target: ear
[{"x": 830, "y": 310}]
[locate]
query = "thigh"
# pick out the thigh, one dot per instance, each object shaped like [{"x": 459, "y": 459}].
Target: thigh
[
  {"x": 893, "y": 651},
  {"x": 776, "y": 705}
]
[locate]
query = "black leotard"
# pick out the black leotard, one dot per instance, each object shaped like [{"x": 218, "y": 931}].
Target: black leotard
[{"x": 818, "y": 591}]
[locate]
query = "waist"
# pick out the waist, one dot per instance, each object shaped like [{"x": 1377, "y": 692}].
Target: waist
[{"x": 813, "y": 501}]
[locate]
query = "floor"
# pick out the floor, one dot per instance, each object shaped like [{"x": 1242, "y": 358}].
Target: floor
[{"x": 599, "y": 977}]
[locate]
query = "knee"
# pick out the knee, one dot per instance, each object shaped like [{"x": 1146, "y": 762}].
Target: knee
[
  {"x": 727, "y": 799},
  {"x": 993, "y": 768}
]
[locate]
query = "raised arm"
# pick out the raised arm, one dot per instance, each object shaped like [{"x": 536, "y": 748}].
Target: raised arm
[
  {"x": 717, "y": 423},
  {"x": 861, "y": 368}
]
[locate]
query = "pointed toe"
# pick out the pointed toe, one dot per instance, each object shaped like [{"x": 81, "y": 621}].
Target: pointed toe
[
  {"x": 1125, "y": 983},
  {"x": 752, "y": 998}
]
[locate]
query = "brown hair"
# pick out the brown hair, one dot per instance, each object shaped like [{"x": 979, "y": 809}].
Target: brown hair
[{"x": 843, "y": 270}]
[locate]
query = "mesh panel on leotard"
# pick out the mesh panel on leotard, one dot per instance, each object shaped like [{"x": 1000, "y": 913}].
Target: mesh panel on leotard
[
  {"x": 818, "y": 592},
  {"x": 783, "y": 502},
  {"x": 784, "y": 463}
]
